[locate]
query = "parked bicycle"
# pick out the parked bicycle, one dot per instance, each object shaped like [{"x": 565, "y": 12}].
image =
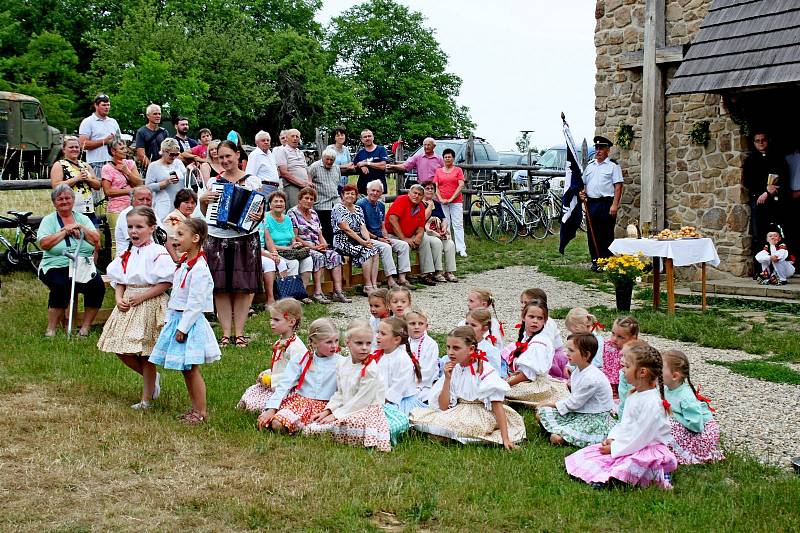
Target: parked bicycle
[
  {"x": 504, "y": 221},
  {"x": 479, "y": 205},
  {"x": 23, "y": 252}
]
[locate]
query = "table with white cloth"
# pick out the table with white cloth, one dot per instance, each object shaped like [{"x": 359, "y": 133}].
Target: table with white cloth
[{"x": 677, "y": 252}]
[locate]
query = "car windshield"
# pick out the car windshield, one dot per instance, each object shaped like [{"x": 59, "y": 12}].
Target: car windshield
[
  {"x": 553, "y": 158},
  {"x": 510, "y": 159}
]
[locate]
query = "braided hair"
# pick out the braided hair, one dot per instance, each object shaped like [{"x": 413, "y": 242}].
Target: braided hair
[
  {"x": 400, "y": 329},
  {"x": 678, "y": 362},
  {"x": 467, "y": 334},
  {"x": 539, "y": 304},
  {"x": 642, "y": 355}
]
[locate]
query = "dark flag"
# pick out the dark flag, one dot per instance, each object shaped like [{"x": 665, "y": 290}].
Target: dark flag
[{"x": 571, "y": 211}]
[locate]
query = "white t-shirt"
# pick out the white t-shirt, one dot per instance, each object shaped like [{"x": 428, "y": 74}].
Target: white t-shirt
[
  {"x": 163, "y": 199},
  {"x": 96, "y": 128}
]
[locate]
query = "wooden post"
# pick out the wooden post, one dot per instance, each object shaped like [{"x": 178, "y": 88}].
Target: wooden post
[
  {"x": 656, "y": 283},
  {"x": 703, "y": 278},
  {"x": 651, "y": 208},
  {"x": 319, "y": 141},
  {"x": 670, "y": 285},
  {"x": 398, "y": 177}
]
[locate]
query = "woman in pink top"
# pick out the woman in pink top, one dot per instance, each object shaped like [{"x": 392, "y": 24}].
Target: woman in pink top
[
  {"x": 449, "y": 182},
  {"x": 119, "y": 176}
]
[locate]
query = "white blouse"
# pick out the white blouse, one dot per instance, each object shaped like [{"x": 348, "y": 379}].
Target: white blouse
[
  {"x": 195, "y": 296},
  {"x": 295, "y": 349},
  {"x": 591, "y": 392},
  {"x": 537, "y": 359},
  {"x": 644, "y": 422},
  {"x": 147, "y": 265},
  {"x": 487, "y": 386},
  {"x": 426, "y": 350},
  {"x": 397, "y": 372},
  {"x": 354, "y": 391},
  {"x": 552, "y": 331},
  {"x": 319, "y": 383},
  {"x": 494, "y": 329}
]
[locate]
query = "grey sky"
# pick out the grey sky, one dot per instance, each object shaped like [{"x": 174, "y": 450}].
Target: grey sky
[{"x": 521, "y": 61}]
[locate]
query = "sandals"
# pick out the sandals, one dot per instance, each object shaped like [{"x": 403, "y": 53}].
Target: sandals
[
  {"x": 241, "y": 341},
  {"x": 193, "y": 418},
  {"x": 224, "y": 341},
  {"x": 451, "y": 277}
]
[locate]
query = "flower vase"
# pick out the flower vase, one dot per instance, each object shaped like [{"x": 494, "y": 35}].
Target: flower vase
[{"x": 624, "y": 293}]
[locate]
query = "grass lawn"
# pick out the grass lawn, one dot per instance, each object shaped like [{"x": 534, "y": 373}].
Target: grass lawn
[{"x": 76, "y": 458}]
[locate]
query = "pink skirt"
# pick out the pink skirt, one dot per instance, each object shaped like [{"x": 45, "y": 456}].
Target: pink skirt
[
  {"x": 695, "y": 448},
  {"x": 646, "y": 466},
  {"x": 367, "y": 427},
  {"x": 559, "y": 363},
  {"x": 611, "y": 362},
  {"x": 296, "y": 411}
]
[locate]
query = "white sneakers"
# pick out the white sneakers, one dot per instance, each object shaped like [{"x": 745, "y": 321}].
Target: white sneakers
[{"x": 140, "y": 406}]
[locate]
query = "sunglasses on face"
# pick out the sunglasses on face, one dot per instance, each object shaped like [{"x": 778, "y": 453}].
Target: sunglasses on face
[{"x": 173, "y": 154}]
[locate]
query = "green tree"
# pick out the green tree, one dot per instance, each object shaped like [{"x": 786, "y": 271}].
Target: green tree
[{"x": 399, "y": 69}]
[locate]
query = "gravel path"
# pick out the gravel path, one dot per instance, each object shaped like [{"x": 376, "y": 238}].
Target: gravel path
[{"x": 746, "y": 408}]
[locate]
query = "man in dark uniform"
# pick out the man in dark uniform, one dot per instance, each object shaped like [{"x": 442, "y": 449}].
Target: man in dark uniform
[{"x": 602, "y": 180}]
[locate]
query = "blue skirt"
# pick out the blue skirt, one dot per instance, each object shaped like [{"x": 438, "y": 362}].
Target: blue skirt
[
  {"x": 409, "y": 403},
  {"x": 398, "y": 422},
  {"x": 200, "y": 347}
]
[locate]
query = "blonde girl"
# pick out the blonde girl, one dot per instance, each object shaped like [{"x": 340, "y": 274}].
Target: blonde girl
[
  {"x": 285, "y": 318},
  {"x": 480, "y": 320},
  {"x": 579, "y": 321},
  {"x": 354, "y": 415},
  {"x": 557, "y": 369},
  {"x": 398, "y": 299},
  {"x": 187, "y": 340},
  {"x": 635, "y": 451},
  {"x": 399, "y": 367},
  {"x": 584, "y": 418},
  {"x": 483, "y": 299},
  {"x": 312, "y": 378},
  {"x": 467, "y": 402},
  {"x": 694, "y": 434},
  {"x": 425, "y": 350},
  {"x": 140, "y": 277}
]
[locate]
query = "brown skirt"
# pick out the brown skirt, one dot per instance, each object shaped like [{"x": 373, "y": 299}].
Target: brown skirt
[{"x": 235, "y": 263}]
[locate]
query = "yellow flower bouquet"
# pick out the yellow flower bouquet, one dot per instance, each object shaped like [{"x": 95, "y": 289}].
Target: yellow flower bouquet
[{"x": 623, "y": 269}]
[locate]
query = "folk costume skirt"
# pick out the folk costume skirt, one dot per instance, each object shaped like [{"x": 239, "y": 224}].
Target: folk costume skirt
[
  {"x": 643, "y": 467},
  {"x": 695, "y": 448},
  {"x": 367, "y": 427},
  {"x": 296, "y": 411},
  {"x": 398, "y": 422},
  {"x": 542, "y": 389},
  {"x": 468, "y": 423},
  {"x": 578, "y": 429},
  {"x": 200, "y": 346},
  {"x": 136, "y": 330}
]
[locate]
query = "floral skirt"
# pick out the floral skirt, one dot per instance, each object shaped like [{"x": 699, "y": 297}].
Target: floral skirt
[
  {"x": 256, "y": 396},
  {"x": 578, "y": 429},
  {"x": 367, "y": 427},
  {"x": 136, "y": 330},
  {"x": 296, "y": 411},
  {"x": 467, "y": 423},
  {"x": 611, "y": 362},
  {"x": 695, "y": 448},
  {"x": 199, "y": 348},
  {"x": 358, "y": 253},
  {"x": 643, "y": 467},
  {"x": 327, "y": 259},
  {"x": 542, "y": 389}
]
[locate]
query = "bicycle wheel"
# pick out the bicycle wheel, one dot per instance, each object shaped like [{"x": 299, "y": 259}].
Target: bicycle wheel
[
  {"x": 552, "y": 210},
  {"x": 499, "y": 224},
  {"x": 476, "y": 209},
  {"x": 33, "y": 255},
  {"x": 537, "y": 221}
]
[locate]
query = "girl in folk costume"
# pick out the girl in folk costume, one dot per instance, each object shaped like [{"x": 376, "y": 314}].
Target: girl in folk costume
[
  {"x": 480, "y": 320},
  {"x": 482, "y": 299},
  {"x": 378, "y": 310},
  {"x": 557, "y": 369},
  {"x": 424, "y": 348},
  {"x": 531, "y": 359},
  {"x": 468, "y": 400},
  {"x": 579, "y": 321},
  {"x": 140, "y": 276},
  {"x": 624, "y": 330},
  {"x": 285, "y": 318},
  {"x": 397, "y": 364},
  {"x": 354, "y": 415},
  {"x": 398, "y": 299},
  {"x": 313, "y": 378},
  {"x": 776, "y": 262},
  {"x": 584, "y": 418},
  {"x": 187, "y": 340},
  {"x": 694, "y": 432},
  {"x": 635, "y": 451}
]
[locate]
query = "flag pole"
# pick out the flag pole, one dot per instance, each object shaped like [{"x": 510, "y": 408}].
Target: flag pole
[{"x": 585, "y": 204}]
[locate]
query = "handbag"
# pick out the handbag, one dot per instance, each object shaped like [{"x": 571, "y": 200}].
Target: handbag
[
  {"x": 85, "y": 270},
  {"x": 290, "y": 287},
  {"x": 295, "y": 254}
]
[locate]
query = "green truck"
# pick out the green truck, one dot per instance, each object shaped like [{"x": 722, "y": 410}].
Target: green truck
[{"x": 28, "y": 145}]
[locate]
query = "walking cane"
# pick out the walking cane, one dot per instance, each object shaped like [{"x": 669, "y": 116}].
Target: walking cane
[{"x": 73, "y": 257}]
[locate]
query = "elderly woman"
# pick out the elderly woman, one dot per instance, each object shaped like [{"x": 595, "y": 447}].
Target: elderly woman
[
  {"x": 165, "y": 177},
  {"x": 185, "y": 204},
  {"x": 233, "y": 256},
  {"x": 449, "y": 181},
  {"x": 325, "y": 176},
  {"x": 119, "y": 176},
  {"x": 351, "y": 237},
  {"x": 282, "y": 241},
  {"x": 308, "y": 229},
  {"x": 211, "y": 167},
  {"x": 78, "y": 175},
  {"x": 59, "y": 234},
  {"x": 436, "y": 225}
]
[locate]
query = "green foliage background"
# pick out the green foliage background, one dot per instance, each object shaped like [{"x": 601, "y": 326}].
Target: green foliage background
[{"x": 234, "y": 64}]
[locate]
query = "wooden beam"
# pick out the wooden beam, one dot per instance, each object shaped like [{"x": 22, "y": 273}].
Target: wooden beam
[
  {"x": 664, "y": 56},
  {"x": 24, "y": 185},
  {"x": 651, "y": 209}
]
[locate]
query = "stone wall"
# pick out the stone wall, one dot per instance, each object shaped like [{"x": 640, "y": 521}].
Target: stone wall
[{"x": 702, "y": 182}]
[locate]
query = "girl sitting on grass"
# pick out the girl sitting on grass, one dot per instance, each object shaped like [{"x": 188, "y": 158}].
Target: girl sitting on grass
[
  {"x": 480, "y": 320},
  {"x": 624, "y": 330},
  {"x": 398, "y": 299},
  {"x": 140, "y": 277},
  {"x": 468, "y": 400},
  {"x": 311, "y": 378},
  {"x": 579, "y": 321},
  {"x": 378, "y": 310},
  {"x": 187, "y": 340},
  {"x": 424, "y": 348},
  {"x": 557, "y": 369},
  {"x": 399, "y": 368},
  {"x": 285, "y": 318},
  {"x": 635, "y": 451},
  {"x": 483, "y": 299},
  {"x": 585, "y": 417},
  {"x": 694, "y": 432},
  {"x": 354, "y": 415}
]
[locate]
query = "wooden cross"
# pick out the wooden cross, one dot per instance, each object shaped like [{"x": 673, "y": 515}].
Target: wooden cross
[{"x": 651, "y": 59}]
